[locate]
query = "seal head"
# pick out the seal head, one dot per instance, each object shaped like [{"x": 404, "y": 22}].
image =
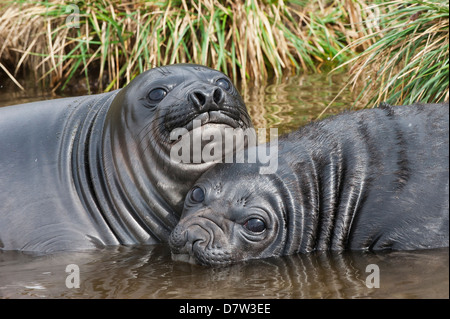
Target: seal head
[
  {"x": 225, "y": 221},
  {"x": 142, "y": 179}
]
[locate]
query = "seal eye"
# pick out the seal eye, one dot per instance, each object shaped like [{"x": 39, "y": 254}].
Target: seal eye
[
  {"x": 224, "y": 84},
  {"x": 255, "y": 225},
  {"x": 157, "y": 94},
  {"x": 197, "y": 195}
]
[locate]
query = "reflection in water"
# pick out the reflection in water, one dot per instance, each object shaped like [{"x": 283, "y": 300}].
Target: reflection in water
[
  {"x": 10, "y": 95},
  {"x": 296, "y": 101},
  {"x": 149, "y": 272}
]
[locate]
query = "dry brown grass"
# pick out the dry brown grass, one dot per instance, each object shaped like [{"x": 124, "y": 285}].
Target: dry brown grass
[{"x": 250, "y": 40}]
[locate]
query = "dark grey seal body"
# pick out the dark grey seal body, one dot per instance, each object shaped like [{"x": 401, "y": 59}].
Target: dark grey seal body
[
  {"x": 78, "y": 173},
  {"x": 367, "y": 180}
]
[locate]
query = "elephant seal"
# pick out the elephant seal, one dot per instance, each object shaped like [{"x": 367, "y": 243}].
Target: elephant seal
[
  {"x": 85, "y": 172},
  {"x": 372, "y": 179}
]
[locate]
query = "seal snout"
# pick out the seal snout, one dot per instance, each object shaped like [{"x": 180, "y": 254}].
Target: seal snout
[
  {"x": 183, "y": 239},
  {"x": 197, "y": 240},
  {"x": 208, "y": 99},
  {"x": 205, "y": 99}
]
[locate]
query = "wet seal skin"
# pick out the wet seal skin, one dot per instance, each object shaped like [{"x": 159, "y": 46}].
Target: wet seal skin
[
  {"x": 85, "y": 172},
  {"x": 375, "y": 179}
]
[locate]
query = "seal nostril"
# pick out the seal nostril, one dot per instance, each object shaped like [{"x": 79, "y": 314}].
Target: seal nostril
[
  {"x": 200, "y": 98},
  {"x": 218, "y": 96},
  {"x": 209, "y": 100}
]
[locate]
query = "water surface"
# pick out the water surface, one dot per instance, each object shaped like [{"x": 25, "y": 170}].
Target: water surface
[{"x": 149, "y": 272}]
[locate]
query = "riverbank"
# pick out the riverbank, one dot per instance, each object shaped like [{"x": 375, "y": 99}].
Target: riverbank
[{"x": 102, "y": 45}]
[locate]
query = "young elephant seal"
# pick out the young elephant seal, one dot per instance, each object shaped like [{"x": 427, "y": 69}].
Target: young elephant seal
[{"x": 367, "y": 180}]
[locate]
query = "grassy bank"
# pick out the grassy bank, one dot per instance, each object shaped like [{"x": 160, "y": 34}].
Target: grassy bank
[
  {"x": 102, "y": 45},
  {"x": 115, "y": 40},
  {"x": 409, "y": 61}
]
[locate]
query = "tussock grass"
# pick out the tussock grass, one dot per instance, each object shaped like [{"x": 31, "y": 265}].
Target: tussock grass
[
  {"x": 409, "y": 61},
  {"x": 399, "y": 49},
  {"x": 249, "y": 40}
]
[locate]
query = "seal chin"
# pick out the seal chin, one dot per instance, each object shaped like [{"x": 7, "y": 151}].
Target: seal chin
[
  {"x": 187, "y": 258},
  {"x": 208, "y": 141},
  {"x": 202, "y": 255},
  {"x": 212, "y": 257}
]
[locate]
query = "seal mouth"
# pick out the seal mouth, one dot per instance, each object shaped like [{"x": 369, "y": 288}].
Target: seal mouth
[
  {"x": 186, "y": 258},
  {"x": 209, "y": 120},
  {"x": 188, "y": 252},
  {"x": 216, "y": 117}
]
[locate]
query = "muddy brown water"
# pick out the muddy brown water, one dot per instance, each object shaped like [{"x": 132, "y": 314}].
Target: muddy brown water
[{"x": 150, "y": 272}]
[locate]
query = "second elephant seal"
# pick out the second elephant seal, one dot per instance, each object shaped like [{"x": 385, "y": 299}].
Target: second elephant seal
[{"x": 367, "y": 180}]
